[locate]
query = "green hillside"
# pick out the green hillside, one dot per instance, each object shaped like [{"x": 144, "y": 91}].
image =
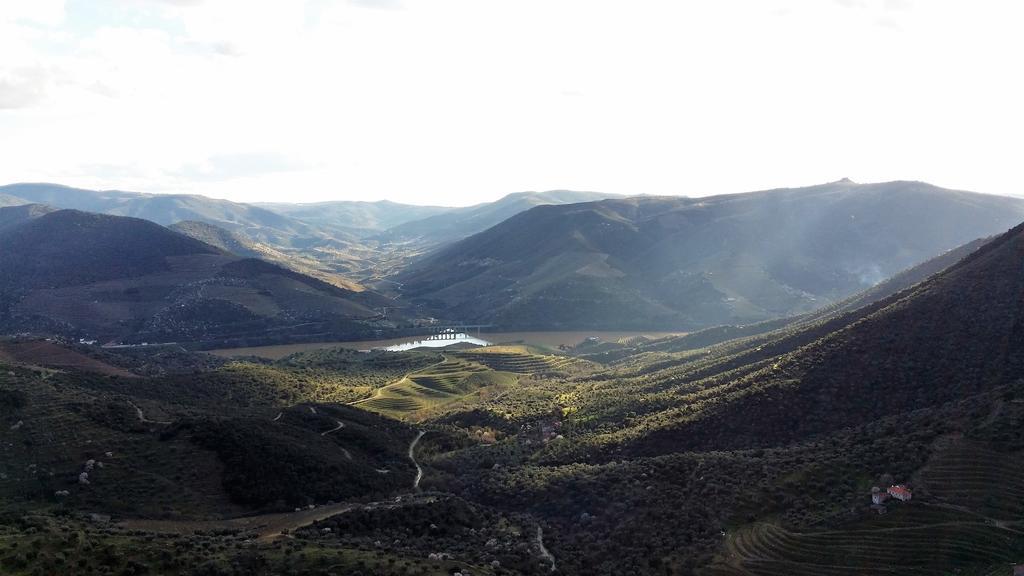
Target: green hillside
[
  {"x": 738, "y": 451},
  {"x": 686, "y": 263},
  {"x": 117, "y": 279}
]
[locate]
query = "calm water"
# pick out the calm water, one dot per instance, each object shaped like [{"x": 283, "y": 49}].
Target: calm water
[
  {"x": 459, "y": 338},
  {"x": 544, "y": 339}
]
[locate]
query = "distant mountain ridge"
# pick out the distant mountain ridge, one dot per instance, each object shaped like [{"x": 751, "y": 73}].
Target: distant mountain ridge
[
  {"x": 241, "y": 245},
  {"x": 458, "y": 223},
  {"x": 343, "y": 241},
  {"x": 356, "y": 216},
  {"x": 684, "y": 263},
  {"x": 70, "y": 247},
  {"x": 19, "y": 213},
  {"x": 165, "y": 209}
]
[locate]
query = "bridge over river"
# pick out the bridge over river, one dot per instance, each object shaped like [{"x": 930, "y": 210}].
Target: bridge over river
[{"x": 452, "y": 332}]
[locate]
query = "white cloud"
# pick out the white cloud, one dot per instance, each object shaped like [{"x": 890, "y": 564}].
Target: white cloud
[
  {"x": 379, "y": 4},
  {"x": 22, "y": 87},
  {"x": 44, "y": 12},
  {"x": 456, "y": 101}
]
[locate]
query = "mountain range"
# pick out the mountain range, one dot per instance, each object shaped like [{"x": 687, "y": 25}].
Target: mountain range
[
  {"x": 564, "y": 260},
  {"x": 115, "y": 278},
  {"x": 345, "y": 242},
  {"x": 685, "y": 263},
  {"x": 747, "y": 450}
]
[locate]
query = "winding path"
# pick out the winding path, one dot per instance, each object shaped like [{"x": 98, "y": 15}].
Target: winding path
[
  {"x": 544, "y": 552},
  {"x": 412, "y": 456},
  {"x": 142, "y": 417},
  {"x": 269, "y": 526},
  {"x": 335, "y": 429},
  {"x": 379, "y": 391}
]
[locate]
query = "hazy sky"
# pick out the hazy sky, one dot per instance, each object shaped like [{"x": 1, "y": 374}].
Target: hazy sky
[{"x": 460, "y": 101}]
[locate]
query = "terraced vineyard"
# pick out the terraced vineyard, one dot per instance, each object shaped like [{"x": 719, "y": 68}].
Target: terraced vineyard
[
  {"x": 972, "y": 476},
  {"x": 967, "y": 515},
  {"x": 421, "y": 392},
  {"x": 518, "y": 359},
  {"x": 918, "y": 538},
  {"x": 925, "y": 546}
]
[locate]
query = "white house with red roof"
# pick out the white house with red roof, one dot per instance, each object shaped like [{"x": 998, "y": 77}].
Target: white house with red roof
[{"x": 900, "y": 492}]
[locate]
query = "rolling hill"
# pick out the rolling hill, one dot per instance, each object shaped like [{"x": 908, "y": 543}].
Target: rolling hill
[
  {"x": 685, "y": 263},
  {"x": 752, "y": 456},
  {"x": 458, "y": 223},
  {"x": 342, "y": 242},
  {"x": 19, "y": 213},
  {"x": 332, "y": 252},
  {"x": 959, "y": 334},
  {"x": 166, "y": 209},
  {"x": 757, "y": 456},
  {"x": 114, "y": 278},
  {"x": 362, "y": 218},
  {"x": 243, "y": 246}
]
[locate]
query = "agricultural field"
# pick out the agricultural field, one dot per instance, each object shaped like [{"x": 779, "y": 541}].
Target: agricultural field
[
  {"x": 50, "y": 354},
  {"x": 748, "y": 457},
  {"x": 920, "y": 540},
  {"x": 429, "y": 390},
  {"x": 971, "y": 476},
  {"x": 519, "y": 360}
]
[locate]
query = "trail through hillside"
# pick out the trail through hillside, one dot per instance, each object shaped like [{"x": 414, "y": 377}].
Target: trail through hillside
[
  {"x": 335, "y": 429},
  {"x": 544, "y": 552},
  {"x": 142, "y": 416},
  {"x": 412, "y": 456},
  {"x": 269, "y": 526},
  {"x": 379, "y": 391}
]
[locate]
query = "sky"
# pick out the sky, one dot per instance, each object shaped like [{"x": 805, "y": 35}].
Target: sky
[{"x": 455, "y": 102}]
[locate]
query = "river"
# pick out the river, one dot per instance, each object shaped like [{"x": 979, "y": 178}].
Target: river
[{"x": 544, "y": 339}]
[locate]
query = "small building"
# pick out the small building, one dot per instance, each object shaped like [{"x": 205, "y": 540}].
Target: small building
[
  {"x": 900, "y": 492},
  {"x": 878, "y": 496},
  {"x": 1018, "y": 570}
]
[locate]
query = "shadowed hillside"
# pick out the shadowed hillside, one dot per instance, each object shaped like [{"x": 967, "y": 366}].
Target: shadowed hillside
[
  {"x": 757, "y": 455},
  {"x": 243, "y": 246},
  {"x": 363, "y": 218},
  {"x": 17, "y": 214},
  {"x": 162, "y": 208},
  {"x": 958, "y": 334},
  {"x": 114, "y": 278},
  {"x": 458, "y": 223},
  {"x": 329, "y": 250},
  {"x": 684, "y": 263},
  {"x": 68, "y": 248}
]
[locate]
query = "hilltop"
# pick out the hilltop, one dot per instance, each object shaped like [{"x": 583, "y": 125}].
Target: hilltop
[
  {"x": 757, "y": 455},
  {"x": 342, "y": 242},
  {"x": 362, "y": 218},
  {"x": 113, "y": 278},
  {"x": 20, "y": 213},
  {"x": 739, "y": 450},
  {"x": 241, "y": 245},
  {"x": 684, "y": 263},
  {"x": 164, "y": 209},
  {"x": 458, "y": 223}
]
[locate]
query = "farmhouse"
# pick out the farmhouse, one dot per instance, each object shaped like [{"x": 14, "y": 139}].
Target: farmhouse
[
  {"x": 878, "y": 496},
  {"x": 901, "y": 492}
]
